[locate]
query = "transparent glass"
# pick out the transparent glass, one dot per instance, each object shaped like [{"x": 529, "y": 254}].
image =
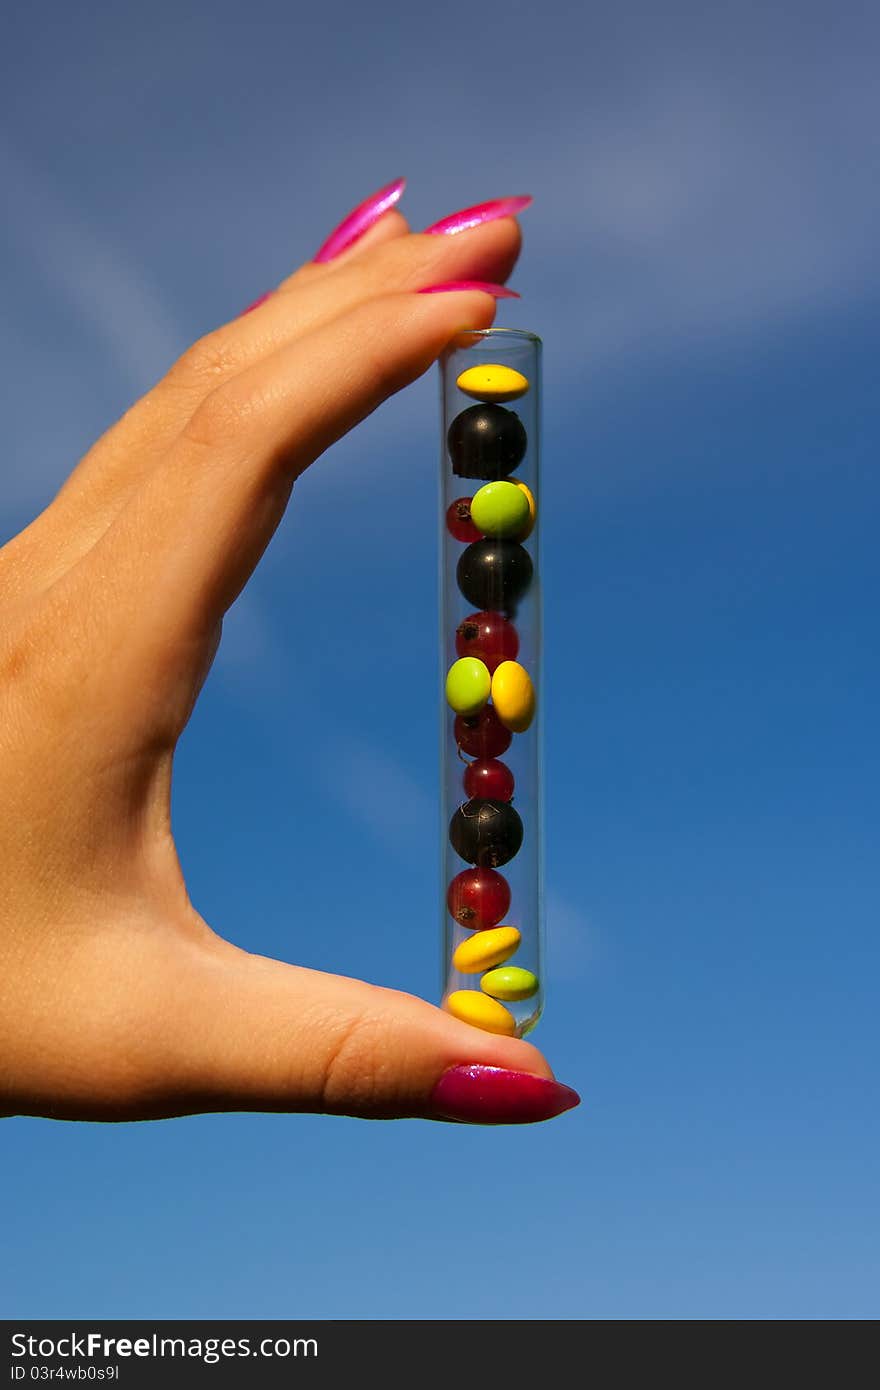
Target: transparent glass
[{"x": 490, "y": 636}]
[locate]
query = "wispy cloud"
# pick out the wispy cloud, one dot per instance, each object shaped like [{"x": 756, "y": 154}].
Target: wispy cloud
[
  {"x": 703, "y": 213},
  {"x": 250, "y": 656},
  {"x": 700, "y": 180},
  {"x": 128, "y": 332},
  {"x": 397, "y": 811},
  {"x": 113, "y": 295},
  {"x": 401, "y": 815},
  {"x": 572, "y": 938}
]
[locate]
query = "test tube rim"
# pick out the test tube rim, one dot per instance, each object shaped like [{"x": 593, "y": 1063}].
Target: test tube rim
[{"x": 470, "y": 333}]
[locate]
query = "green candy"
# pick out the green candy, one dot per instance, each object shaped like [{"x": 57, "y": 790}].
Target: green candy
[
  {"x": 509, "y": 982},
  {"x": 500, "y": 509},
  {"x": 468, "y": 683}
]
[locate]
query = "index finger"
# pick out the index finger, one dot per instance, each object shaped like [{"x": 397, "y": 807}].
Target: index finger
[{"x": 187, "y": 541}]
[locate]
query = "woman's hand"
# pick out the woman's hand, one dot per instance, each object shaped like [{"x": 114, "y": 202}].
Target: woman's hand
[{"x": 117, "y": 1000}]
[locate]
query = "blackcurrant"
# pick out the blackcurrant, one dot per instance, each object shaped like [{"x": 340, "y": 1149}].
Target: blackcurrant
[
  {"x": 487, "y": 833},
  {"x": 494, "y": 574},
  {"x": 486, "y": 441}
]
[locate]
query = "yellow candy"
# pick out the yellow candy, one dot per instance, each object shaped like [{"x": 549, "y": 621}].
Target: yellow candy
[
  {"x": 473, "y": 1007},
  {"x": 485, "y": 949},
  {"x": 492, "y": 382},
  {"x": 513, "y": 696},
  {"x": 532, "y": 512}
]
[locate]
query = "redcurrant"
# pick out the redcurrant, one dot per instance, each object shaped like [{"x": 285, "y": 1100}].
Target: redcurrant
[
  {"x": 488, "y": 778},
  {"x": 482, "y": 735},
  {"x": 458, "y": 521},
  {"x": 478, "y": 898},
  {"x": 488, "y": 636}
]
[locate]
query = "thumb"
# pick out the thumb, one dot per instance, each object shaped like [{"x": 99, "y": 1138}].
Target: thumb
[{"x": 262, "y": 1035}]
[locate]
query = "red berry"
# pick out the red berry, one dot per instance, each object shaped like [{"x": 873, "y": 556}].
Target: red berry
[
  {"x": 478, "y": 898},
  {"x": 489, "y": 636},
  {"x": 458, "y": 521},
  {"x": 482, "y": 735},
  {"x": 487, "y": 778}
]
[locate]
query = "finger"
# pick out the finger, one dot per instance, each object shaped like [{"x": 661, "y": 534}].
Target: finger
[
  {"x": 208, "y": 1027},
  {"x": 98, "y": 487},
  {"x": 106, "y": 479},
  {"x": 315, "y": 295},
  {"x": 177, "y": 556},
  {"x": 390, "y": 227},
  {"x": 318, "y": 294},
  {"x": 257, "y": 1034}
]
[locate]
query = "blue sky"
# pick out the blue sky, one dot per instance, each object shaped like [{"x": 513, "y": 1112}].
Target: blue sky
[{"x": 701, "y": 262}]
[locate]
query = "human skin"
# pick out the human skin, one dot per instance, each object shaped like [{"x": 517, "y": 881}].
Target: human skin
[{"x": 117, "y": 999}]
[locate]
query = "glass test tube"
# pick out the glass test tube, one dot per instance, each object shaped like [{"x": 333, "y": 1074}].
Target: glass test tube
[{"x": 491, "y": 857}]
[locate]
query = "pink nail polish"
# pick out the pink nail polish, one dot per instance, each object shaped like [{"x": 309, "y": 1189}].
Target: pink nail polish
[
  {"x": 481, "y": 212},
  {"x": 256, "y": 304},
  {"x": 359, "y": 219},
  {"x": 499, "y": 291},
  {"x": 496, "y": 1096}
]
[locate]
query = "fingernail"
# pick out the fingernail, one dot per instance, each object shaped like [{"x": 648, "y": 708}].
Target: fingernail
[
  {"x": 499, "y": 291},
  {"x": 482, "y": 212},
  {"x": 359, "y": 219},
  {"x": 256, "y": 304},
  {"x": 496, "y": 1096}
]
